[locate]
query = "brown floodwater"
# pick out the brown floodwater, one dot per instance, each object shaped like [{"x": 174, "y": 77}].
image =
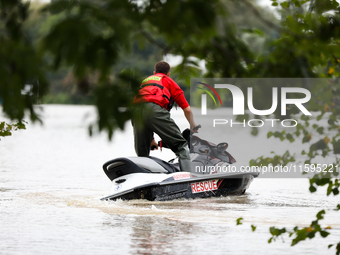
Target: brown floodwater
[{"x": 51, "y": 183}]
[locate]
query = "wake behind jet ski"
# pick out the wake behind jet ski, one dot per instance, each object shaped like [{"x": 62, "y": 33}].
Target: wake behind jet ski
[{"x": 154, "y": 179}]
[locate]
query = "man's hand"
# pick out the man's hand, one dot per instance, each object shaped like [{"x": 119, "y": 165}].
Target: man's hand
[
  {"x": 194, "y": 129},
  {"x": 154, "y": 145}
]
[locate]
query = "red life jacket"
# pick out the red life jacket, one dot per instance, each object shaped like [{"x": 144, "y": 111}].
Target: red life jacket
[{"x": 152, "y": 90}]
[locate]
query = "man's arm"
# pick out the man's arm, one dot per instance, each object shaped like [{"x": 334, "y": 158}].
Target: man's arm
[
  {"x": 178, "y": 95},
  {"x": 190, "y": 117}
]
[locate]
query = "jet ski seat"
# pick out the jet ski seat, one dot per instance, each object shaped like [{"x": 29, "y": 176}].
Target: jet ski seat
[
  {"x": 171, "y": 168},
  {"x": 123, "y": 166}
]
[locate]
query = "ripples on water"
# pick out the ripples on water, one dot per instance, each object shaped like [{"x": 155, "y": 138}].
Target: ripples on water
[{"x": 51, "y": 182}]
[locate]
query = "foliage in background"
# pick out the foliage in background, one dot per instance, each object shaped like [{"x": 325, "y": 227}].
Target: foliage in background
[
  {"x": 308, "y": 46},
  {"x": 97, "y": 51},
  {"x": 7, "y": 129},
  {"x": 106, "y": 33},
  {"x": 146, "y": 49},
  {"x": 20, "y": 64}
]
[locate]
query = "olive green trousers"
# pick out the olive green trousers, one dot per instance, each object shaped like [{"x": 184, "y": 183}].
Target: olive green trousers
[{"x": 149, "y": 118}]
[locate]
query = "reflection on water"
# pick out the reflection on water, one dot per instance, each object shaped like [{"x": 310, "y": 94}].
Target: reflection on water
[
  {"x": 157, "y": 235},
  {"x": 51, "y": 183}
]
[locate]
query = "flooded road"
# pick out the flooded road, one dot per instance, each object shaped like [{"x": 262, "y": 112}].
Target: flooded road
[{"x": 51, "y": 182}]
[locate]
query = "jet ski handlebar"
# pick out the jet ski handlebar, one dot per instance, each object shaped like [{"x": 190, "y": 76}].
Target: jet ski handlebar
[
  {"x": 197, "y": 127},
  {"x": 186, "y": 134}
]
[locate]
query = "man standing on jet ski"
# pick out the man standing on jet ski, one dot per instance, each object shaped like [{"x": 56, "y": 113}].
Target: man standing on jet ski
[{"x": 153, "y": 103}]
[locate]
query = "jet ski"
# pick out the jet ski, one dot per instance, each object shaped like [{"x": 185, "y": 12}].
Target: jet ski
[{"x": 154, "y": 179}]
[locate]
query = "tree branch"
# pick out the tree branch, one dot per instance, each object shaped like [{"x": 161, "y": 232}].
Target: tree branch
[
  {"x": 165, "y": 48},
  {"x": 259, "y": 16}
]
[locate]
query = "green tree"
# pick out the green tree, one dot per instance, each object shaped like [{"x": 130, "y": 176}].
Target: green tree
[
  {"x": 293, "y": 55},
  {"x": 19, "y": 63},
  {"x": 104, "y": 32},
  {"x": 22, "y": 81}
]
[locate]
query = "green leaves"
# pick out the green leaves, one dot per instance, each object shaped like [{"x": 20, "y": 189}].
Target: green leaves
[
  {"x": 274, "y": 3},
  {"x": 104, "y": 33},
  {"x": 114, "y": 102},
  {"x": 285, "y": 4},
  {"x": 190, "y": 20},
  {"x": 98, "y": 33},
  {"x": 281, "y": 135},
  {"x": 300, "y": 234},
  {"x": 337, "y": 208},
  {"x": 239, "y": 221},
  {"x": 275, "y": 232},
  {"x": 303, "y": 233},
  {"x": 320, "y": 214},
  {"x": 20, "y": 65},
  {"x": 326, "y": 177},
  {"x": 276, "y": 160},
  {"x": 7, "y": 129},
  {"x": 254, "y": 31},
  {"x": 309, "y": 232}
]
